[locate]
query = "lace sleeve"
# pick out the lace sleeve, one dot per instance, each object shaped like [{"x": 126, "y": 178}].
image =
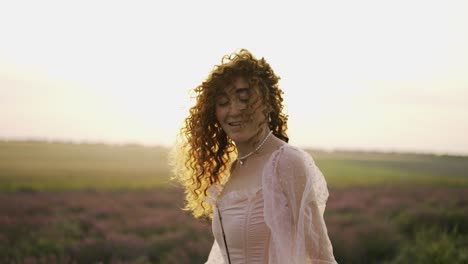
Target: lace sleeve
[{"x": 304, "y": 190}]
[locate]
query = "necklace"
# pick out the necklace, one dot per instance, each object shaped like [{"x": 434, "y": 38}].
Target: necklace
[{"x": 256, "y": 149}]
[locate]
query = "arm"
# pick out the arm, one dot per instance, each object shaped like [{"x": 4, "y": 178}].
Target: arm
[{"x": 306, "y": 193}]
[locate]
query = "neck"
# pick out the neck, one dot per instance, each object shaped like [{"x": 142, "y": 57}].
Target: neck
[{"x": 247, "y": 147}]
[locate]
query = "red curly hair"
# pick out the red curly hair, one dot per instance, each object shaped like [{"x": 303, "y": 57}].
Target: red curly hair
[{"x": 204, "y": 152}]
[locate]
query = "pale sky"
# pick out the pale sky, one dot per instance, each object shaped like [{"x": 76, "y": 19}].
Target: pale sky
[{"x": 367, "y": 75}]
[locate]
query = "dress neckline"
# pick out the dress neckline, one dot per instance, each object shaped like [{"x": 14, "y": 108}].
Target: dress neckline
[
  {"x": 216, "y": 189},
  {"x": 237, "y": 196},
  {"x": 241, "y": 193}
]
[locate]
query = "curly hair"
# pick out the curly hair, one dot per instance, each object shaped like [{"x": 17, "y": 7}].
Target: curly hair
[{"x": 203, "y": 152}]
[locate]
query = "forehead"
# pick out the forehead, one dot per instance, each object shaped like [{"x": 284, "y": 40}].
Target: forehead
[
  {"x": 234, "y": 85},
  {"x": 240, "y": 82}
]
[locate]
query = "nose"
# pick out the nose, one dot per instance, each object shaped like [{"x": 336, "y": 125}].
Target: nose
[{"x": 236, "y": 107}]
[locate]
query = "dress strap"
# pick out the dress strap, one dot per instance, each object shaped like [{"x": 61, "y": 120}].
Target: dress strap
[{"x": 224, "y": 235}]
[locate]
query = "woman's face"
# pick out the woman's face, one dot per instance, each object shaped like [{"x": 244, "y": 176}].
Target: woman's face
[{"x": 229, "y": 111}]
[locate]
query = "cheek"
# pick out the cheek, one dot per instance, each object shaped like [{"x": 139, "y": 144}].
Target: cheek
[
  {"x": 259, "y": 117},
  {"x": 219, "y": 112},
  {"x": 259, "y": 114}
]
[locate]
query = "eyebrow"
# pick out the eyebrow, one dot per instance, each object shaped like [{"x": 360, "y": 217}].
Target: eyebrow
[{"x": 237, "y": 91}]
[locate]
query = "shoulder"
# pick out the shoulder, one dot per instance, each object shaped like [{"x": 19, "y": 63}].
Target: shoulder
[
  {"x": 292, "y": 164},
  {"x": 293, "y": 157}
]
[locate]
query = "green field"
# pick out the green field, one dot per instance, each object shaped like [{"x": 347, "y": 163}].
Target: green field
[
  {"x": 43, "y": 166},
  {"x": 95, "y": 203},
  {"x": 350, "y": 168}
]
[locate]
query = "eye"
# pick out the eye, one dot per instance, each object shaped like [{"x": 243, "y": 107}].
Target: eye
[{"x": 222, "y": 101}]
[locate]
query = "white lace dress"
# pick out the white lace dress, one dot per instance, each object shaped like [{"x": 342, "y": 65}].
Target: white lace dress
[{"x": 280, "y": 221}]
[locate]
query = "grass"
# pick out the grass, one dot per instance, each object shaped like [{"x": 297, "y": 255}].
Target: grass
[
  {"x": 42, "y": 166},
  {"x": 59, "y": 166},
  {"x": 343, "y": 169}
]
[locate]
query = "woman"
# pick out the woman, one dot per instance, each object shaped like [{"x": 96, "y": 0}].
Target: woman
[{"x": 265, "y": 197}]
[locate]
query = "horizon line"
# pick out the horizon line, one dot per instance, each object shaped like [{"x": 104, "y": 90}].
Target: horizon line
[{"x": 168, "y": 146}]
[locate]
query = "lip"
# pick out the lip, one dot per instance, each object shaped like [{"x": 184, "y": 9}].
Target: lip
[
  {"x": 235, "y": 128},
  {"x": 238, "y": 123}
]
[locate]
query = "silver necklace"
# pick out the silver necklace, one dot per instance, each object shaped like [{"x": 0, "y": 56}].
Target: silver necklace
[{"x": 256, "y": 149}]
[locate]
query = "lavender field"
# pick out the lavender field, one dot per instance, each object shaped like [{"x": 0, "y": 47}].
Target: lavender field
[{"x": 49, "y": 215}]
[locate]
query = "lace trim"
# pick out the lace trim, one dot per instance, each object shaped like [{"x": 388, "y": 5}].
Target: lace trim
[
  {"x": 237, "y": 196},
  {"x": 213, "y": 192}
]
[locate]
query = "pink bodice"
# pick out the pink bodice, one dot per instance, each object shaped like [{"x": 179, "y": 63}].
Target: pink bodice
[{"x": 246, "y": 233}]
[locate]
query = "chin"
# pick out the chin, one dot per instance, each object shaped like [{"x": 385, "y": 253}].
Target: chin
[
  {"x": 236, "y": 136},
  {"x": 239, "y": 138}
]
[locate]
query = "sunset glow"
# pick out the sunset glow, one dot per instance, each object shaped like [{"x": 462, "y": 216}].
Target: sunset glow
[{"x": 366, "y": 75}]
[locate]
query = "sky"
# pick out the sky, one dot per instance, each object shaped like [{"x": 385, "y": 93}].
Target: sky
[{"x": 360, "y": 75}]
